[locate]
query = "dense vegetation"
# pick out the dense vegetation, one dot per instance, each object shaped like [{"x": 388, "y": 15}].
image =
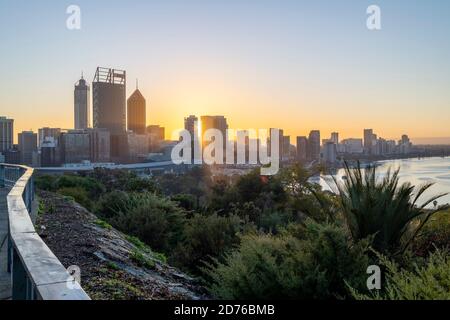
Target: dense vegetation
[{"x": 278, "y": 237}]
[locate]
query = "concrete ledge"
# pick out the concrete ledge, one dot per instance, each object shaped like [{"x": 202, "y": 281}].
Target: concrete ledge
[{"x": 38, "y": 269}]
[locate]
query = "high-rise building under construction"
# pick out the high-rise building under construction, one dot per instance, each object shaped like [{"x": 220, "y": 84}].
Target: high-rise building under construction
[{"x": 109, "y": 108}]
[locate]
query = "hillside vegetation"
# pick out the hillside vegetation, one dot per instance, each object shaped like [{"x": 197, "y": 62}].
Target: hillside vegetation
[{"x": 260, "y": 237}]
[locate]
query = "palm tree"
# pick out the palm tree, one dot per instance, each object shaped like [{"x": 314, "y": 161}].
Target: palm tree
[{"x": 383, "y": 209}]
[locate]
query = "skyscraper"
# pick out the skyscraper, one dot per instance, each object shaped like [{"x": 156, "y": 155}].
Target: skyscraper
[
  {"x": 191, "y": 125},
  {"x": 335, "y": 138},
  {"x": 136, "y": 112},
  {"x": 368, "y": 140},
  {"x": 286, "y": 147},
  {"x": 314, "y": 145},
  {"x": 329, "y": 152},
  {"x": 156, "y": 135},
  {"x": 81, "y": 105},
  {"x": 6, "y": 134},
  {"x": 302, "y": 148},
  {"x": 27, "y": 146},
  {"x": 214, "y": 122},
  {"x": 109, "y": 106},
  {"x": 109, "y": 100}
]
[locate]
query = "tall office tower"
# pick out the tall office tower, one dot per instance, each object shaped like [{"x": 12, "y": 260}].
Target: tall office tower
[
  {"x": 6, "y": 134},
  {"x": 314, "y": 145},
  {"x": 136, "y": 112},
  {"x": 302, "y": 149},
  {"x": 109, "y": 106},
  {"x": 46, "y": 132},
  {"x": 335, "y": 138},
  {"x": 286, "y": 147},
  {"x": 404, "y": 144},
  {"x": 109, "y": 100},
  {"x": 214, "y": 122},
  {"x": 191, "y": 125},
  {"x": 368, "y": 140},
  {"x": 27, "y": 147},
  {"x": 156, "y": 135},
  {"x": 81, "y": 104},
  {"x": 329, "y": 152}
]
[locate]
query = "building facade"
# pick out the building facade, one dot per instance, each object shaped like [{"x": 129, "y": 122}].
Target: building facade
[
  {"x": 81, "y": 105},
  {"x": 109, "y": 109},
  {"x": 156, "y": 135},
  {"x": 27, "y": 147},
  {"x": 302, "y": 149},
  {"x": 75, "y": 146},
  {"x": 46, "y": 132},
  {"x": 314, "y": 145},
  {"x": 136, "y": 112},
  {"x": 6, "y": 134}
]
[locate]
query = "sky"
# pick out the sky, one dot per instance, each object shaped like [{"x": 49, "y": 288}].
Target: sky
[{"x": 297, "y": 65}]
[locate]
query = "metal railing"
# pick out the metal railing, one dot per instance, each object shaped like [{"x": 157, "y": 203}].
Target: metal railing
[{"x": 36, "y": 273}]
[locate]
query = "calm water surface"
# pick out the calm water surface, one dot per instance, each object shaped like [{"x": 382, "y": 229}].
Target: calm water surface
[{"x": 415, "y": 171}]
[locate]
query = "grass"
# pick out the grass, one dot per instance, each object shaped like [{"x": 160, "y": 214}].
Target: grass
[
  {"x": 142, "y": 246},
  {"x": 103, "y": 224},
  {"x": 141, "y": 260},
  {"x": 137, "y": 243},
  {"x": 112, "y": 265},
  {"x": 122, "y": 290}
]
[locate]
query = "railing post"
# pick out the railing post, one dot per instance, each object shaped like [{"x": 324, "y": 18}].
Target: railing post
[
  {"x": 19, "y": 279},
  {"x": 2, "y": 176}
]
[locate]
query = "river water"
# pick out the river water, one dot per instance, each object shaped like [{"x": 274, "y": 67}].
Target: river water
[{"x": 416, "y": 171}]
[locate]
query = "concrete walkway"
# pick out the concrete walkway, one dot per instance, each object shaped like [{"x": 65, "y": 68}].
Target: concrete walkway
[{"x": 5, "y": 277}]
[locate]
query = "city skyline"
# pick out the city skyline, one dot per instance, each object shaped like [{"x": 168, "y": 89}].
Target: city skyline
[{"x": 300, "y": 66}]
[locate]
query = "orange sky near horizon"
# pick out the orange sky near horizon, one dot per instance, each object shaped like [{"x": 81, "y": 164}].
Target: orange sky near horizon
[{"x": 295, "y": 65}]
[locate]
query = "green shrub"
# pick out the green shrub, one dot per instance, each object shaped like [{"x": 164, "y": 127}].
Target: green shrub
[
  {"x": 206, "y": 237},
  {"x": 141, "y": 260},
  {"x": 45, "y": 182},
  {"x": 186, "y": 201},
  {"x": 112, "y": 203},
  {"x": 156, "y": 221},
  {"x": 428, "y": 282},
  {"x": 285, "y": 267},
  {"x": 435, "y": 234},
  {"x": 77, "y": 194},
  {"x": 92, "y": 187},
  {"x": 103, "y": 224}
]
